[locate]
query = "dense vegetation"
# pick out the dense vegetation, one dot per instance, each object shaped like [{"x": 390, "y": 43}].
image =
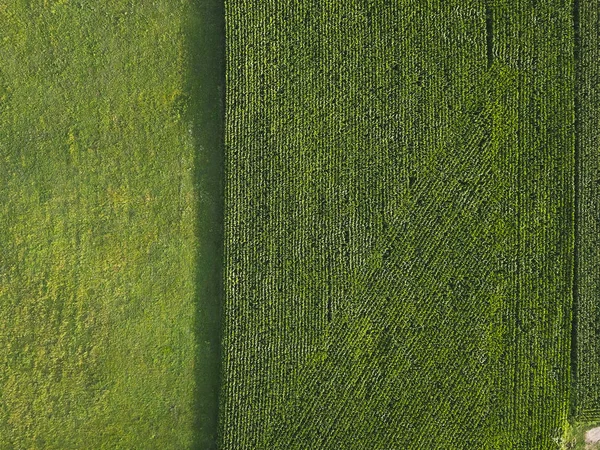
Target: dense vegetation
[
  {"x": 101, "y": 251},
  {"x": 398, "y": 224},
  {"x": 587, "y": 317},
  {"x": 410, "y": 230}
]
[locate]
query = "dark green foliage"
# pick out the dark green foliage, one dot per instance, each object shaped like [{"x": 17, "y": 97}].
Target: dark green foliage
[
  {"x": 399, "y": 224},
  {"x": 399, "y": 233},
  {"x": 587, "y": 317}
]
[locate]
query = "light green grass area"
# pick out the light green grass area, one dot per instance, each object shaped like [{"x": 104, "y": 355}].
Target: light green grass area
[
  {"x": 101, "y": 239},
  {"x": 398, "y": 224}
]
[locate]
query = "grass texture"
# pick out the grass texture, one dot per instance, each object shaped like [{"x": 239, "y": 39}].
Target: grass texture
[
  {"x": 398, "y": 224},
  {"x": 107, "y": 225}
]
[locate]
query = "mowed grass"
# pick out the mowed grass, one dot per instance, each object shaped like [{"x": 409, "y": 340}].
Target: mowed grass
[
  {"x": 398, "y": 225},
  {"x": 101, "y": 245}
]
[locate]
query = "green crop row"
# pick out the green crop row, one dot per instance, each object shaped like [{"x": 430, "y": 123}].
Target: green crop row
[{"x": 587, "y": 277}]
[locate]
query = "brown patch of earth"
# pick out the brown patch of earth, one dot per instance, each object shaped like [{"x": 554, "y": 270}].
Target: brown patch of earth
[{"x": 592, "y": 438}]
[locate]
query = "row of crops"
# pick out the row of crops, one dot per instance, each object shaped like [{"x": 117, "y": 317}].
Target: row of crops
[
  {"x": 587, "y": 277},
  {"x": 398, "y": 224}
]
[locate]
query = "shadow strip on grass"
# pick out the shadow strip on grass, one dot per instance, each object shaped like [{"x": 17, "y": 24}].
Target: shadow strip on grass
[{"x": 205, "y": 115}]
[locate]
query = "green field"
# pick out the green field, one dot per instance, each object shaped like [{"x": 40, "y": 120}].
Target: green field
[
  {"x": 109, "y": 225},
  {"x": 587, "y": 357},
  {"x": 398, "y": 224},
  {"x": 299, "y": 225}
]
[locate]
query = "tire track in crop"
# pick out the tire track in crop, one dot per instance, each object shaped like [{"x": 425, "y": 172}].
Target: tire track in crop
[{"x": 576, "y": 212}]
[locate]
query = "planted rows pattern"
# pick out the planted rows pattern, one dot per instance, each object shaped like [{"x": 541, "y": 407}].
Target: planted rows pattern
[
  {"x": 398, "y": 227},
  {"x": 587, "y": 277}
]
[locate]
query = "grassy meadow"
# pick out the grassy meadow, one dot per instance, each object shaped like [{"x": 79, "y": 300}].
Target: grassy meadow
[{"x": 108, "y": 224}]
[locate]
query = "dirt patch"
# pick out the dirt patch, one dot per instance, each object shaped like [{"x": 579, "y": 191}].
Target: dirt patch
[{"x": 592, "y": 438}]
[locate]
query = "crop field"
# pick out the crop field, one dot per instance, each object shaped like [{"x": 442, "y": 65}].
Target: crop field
[
  {"x": 299, "y": 225},
  {"x": 587, "y": 311},
  {"x": 399, "y": 231},
  {"x": 107, "y": 229}
]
